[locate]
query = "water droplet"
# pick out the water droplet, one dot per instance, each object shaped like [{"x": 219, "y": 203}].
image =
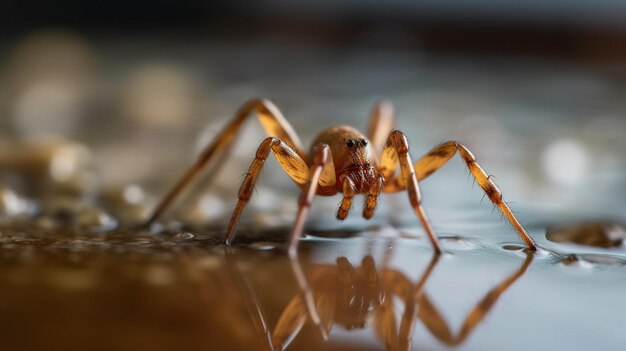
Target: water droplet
[
  {"x": 457, "y": 243},
  {"x": 573, "y": 260},
  {"x": 264, "y": 246},
  {"x": 513, "y": 247},
  {"x": 95, "y": 220},
  {"x": 183, "y": 236},
  {"x": 11, "y": 204},
  {"x": 603, "y": 259},
  {"x": 591, "y": 260}
]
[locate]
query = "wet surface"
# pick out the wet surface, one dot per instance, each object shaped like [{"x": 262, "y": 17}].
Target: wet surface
[
  {"x": 72, "y": 278},
  {"x": 141, "y": 290}
]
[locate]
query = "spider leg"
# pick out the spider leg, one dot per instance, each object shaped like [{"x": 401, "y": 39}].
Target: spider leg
[
  {"x": 437, "y": 325},
  {"x": 305, "y": 305},
  {"x": 319, "y": 157},
  {"x": 439, "y": 155},
  {"x": 397, "y": 152},
  {"x": 272, "y": 121},
  {"x": 381, "y": 123},
  {"x": 349, "y": 191},
  {"x": 295, "y": 167},
  {"x": 371, "y": 199}
]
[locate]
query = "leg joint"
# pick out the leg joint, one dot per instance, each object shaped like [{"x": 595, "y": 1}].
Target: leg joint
[
  {"x": 320, "y": 155},
  {"x": 398, "y": 140},
  {"x": 266, "y": 146}
]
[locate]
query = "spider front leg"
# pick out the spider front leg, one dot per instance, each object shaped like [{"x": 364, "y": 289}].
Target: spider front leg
[
  {"x": 439, "y": 155},
  {"x": 320, "y": 157},
  {"x": 271, "y": 119},
  {"x": 397, "y": 151},
  {"x": 371, "y": 200},
  {"x": 348, "y": 190},
  {"x": 295, "y": 167}
]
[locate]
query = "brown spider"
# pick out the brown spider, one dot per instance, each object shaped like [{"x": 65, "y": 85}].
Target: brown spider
[{"x": 343, "y": 160}]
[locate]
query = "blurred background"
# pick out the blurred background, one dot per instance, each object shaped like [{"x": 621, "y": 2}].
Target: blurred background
[
  {"x": 103, "y": 105},
  {"x": 123, "y": 96}
]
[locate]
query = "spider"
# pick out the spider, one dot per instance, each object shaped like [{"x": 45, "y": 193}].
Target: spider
[{"x": 341, "y": 160}]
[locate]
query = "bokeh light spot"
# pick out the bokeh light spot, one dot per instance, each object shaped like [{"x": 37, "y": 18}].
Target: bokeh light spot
[{"x": 565, "y": 161}]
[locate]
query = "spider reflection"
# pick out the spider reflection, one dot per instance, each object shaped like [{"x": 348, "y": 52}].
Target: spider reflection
[{"x": 350, "y": 296}]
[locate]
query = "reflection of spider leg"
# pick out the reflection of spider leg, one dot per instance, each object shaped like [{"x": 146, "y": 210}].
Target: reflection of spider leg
[
  {"x": 437, "y": 325},
  {"x": 272, "y": 121},
  {"x": 295, "y": 167},
  {"x": 231, "y": 280},
  {"x": 394, "y": 283},
  {"x": 381, "y": 124},
  {"x": 302, "y": 305},
  {"x": 397, "y": 151},
  {"x": 439, "y": 155},
  {"x": 320, "y": 157},
  {"x": 385, "y": 323},
  {"x": 290, "y": 322},
  {"x": 407, "y": 324},
  {"x": 251, "y": 302}
]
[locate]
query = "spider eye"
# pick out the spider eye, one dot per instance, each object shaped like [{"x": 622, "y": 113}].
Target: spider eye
[
  {"x": 350, "y": 143},
  {"x": 364, "y": 142}
]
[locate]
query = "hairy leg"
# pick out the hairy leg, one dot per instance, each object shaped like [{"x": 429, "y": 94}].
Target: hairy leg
[
  {"x": 397, "y": 151},
  {"x": 295, "y": 167},
  {"x": 319, "y": 157},
  {"x": 272, "y": 121},
  {"x": 348, "y": 194},
  {"x": 438, "y": 156},
  {"x": 371, "y": 200}
]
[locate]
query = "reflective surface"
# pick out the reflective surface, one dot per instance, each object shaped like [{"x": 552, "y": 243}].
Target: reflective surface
[{"x": 371, "y": 291}]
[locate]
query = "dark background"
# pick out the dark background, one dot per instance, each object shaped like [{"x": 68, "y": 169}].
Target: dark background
[{"x": 574, "y": 29}]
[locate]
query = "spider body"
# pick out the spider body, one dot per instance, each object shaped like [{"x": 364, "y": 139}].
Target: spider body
[
  {"x": 342, "y": 160},
  {"x": 352, "y": 156}
]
